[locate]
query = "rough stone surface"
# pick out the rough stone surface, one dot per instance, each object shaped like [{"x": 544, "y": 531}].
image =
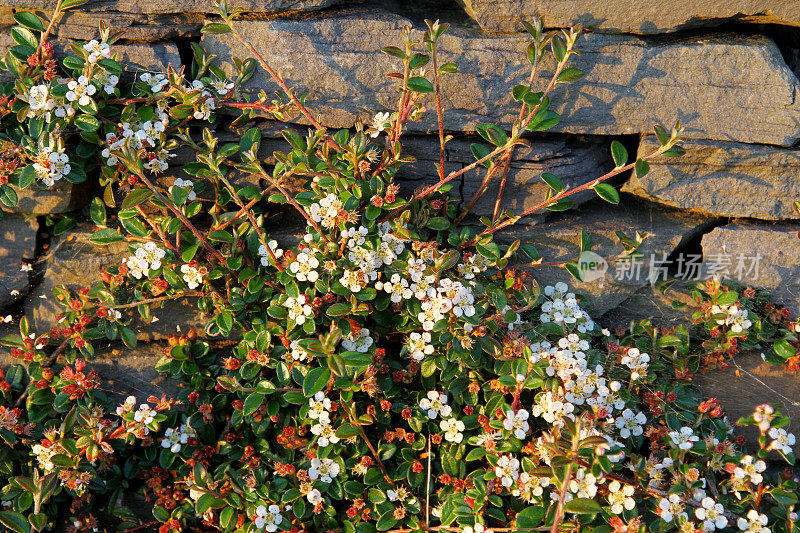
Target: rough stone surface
[
  {"x": 84, "y": 25},
  {"x": 772, "y": 250},
  {"x": 629, "y": 16},
  {"x": 724, "y": 178},
  {"x": 749, "y": 381},
  {"x": 574, "y": 160},
  {"x": 60, "y": 198},
  {"x": 629, "y": 84},
  {"x": 558, "y": 240},
  {"x": 17, "y": 243},
  {"x": 74, "y": 261},
  {"x": 179, "y": 6}
]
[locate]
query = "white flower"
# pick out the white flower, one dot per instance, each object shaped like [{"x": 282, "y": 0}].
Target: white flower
[
  {"x": 671, "y": 508},
  {"x": 43, "y": 456},
  {"x": 326, "y": 211},
  {"x": 156, "y": 82},
  {"x": 353, "y": 280},
  {"x": 419, "y": 345},
  {"x": 304, "y": 267},
  {"x": 326, "y": 434},
  {"x": 39, "y": 101},
  {"x": 107, "y": 80},
  {"x": 314, "y": 496},
  {"x": 749, "y": 469},
  {"x": 620, "y": 497},
  {"x": 397, "y": 287},
  {"x": 174, "y": 438},
  {"x": 192, "y": 276},
  {"x": 379, "y": 123},
  {"x": 630, "y": 423},
  {"x": 517, "y": 422},
  {"x": 299, "y": 310},
  {"x": 97, "y": 50},
  {"x": 269, "y": 518},
  {"x": 712, "y": 514},
  {"x": 297, "y": 351},
  {"x": 637, "y": 362},
  {"x": 783, "y": 441},
  {"x": 144, "y": 415},
  {"x": 324, "y": 470},
  {"x": 318, "y": 407},
  {"x": 264, "y": 253},
  {"x": 435, "y": 404},
  {"x": 684, "y": 439},
  {"x": 452, "y": 429},
  {"x": 80, "y": 90},
  {"x": 507, "y": 470},
  {"x": 754, "y": 523},
  {"x": 584, "y": 484}
]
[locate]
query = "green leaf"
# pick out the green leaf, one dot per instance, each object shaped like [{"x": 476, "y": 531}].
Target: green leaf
[
  {"x": 8, "y": 196},
  {"x": 544, "y": 120},
  {"x": 530, "y": 517},
  {"x": 642, "y": 168},
  {"x": 480, "y": 151},
  {"x": 29, "y": 20},
  {"x": 619, "y": 153},
  {"x": 519, "y": 92},
  {"x": 216, "y": 28},
  {"x": 784, "y": 349},
  {"x": 582, "y": 506},
  {"x": 26, "y": 177},
  {"x": 15, "y": 522},
  {"x": 136, "y": 197},
  {"x": 420, "y": 85},
  {"x": 73, "y": 62},
  {"x": 87, "y": 123},
  {"x": 315, "y": 381},
  {"x": 68, "y": 4},
  {"x": 394, "y": 51},
  {"x": 98, "y": 212},
  {"x": 105, "y": 236},
  {"x": 252, "y": 403},
  {"x": 438, "y": 223},
  {"x": 607, "y": 193},
  {"x": 24, "y": 36},
  {"x": 553, "y": 181},
  {"x": 569, "y": 75}
]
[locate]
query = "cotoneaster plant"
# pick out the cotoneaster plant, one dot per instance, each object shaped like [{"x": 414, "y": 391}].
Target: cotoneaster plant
[{"x": 394, "y": 369}]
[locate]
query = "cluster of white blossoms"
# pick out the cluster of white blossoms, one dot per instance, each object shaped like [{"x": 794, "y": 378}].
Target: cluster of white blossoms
[
  {"x": 326, "y": 211},
  {"x": 146, "y": 258},
  {"x": 44, "y": 455},
  {"x": 207, "y": 102},
  {"x": 736, "y": 318},
  {"x": 323, "y": 469},
  {"x": 175, "y": 438},
  {"x": 156, "y": 82},
  {"x": 268, "y": 518},
  {"x": 50, "y": 166},
  {"x": 319, "y": 410},
  {"x": 562, "y": 308},
  {"x": 97, "y": 50},
  {"x": 146, "y": 135}
]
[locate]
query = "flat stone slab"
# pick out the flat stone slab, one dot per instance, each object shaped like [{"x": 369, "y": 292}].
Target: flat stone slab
[
  {"x": 558, "y": 240},
  {"x": 630, "y": 16},
  {"x": 759, "y": 255},
  {"x": 17, "y": 247},
  {"x": 74, "y": 261},
  {"x": 750, "y": 381},
  {"x": 630, "y": 82},
  {"x": 179, "y": 6},
  {"x": 724, "y": 178}
]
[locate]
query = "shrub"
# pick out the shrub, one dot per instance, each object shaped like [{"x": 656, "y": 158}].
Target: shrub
[{"x": 395, "y": 370}]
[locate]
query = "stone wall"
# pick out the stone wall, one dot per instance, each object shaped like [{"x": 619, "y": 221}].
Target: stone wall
[{"x": 728, "y": 70}]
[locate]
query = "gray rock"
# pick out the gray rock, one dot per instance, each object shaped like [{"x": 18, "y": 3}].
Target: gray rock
[
  {"x": 630, "y": 82},
  {"x": 558, "y": 241},
  {"x": 654, "y": 303},
  {"x": 84, "y": 25},
  {"x": 17, "y": 246},
  {"x": 629, "y": 16},
  {"x": 724, "y": 178},
  {"x": 143, "y": 7},
  {"x": 74, "y": 261},
  {"x": 759, "y": 255},
  {"x": 574, "y": 160},
  {"x": 60, "y": 198},
  {"x": 749, "y": 381}
]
